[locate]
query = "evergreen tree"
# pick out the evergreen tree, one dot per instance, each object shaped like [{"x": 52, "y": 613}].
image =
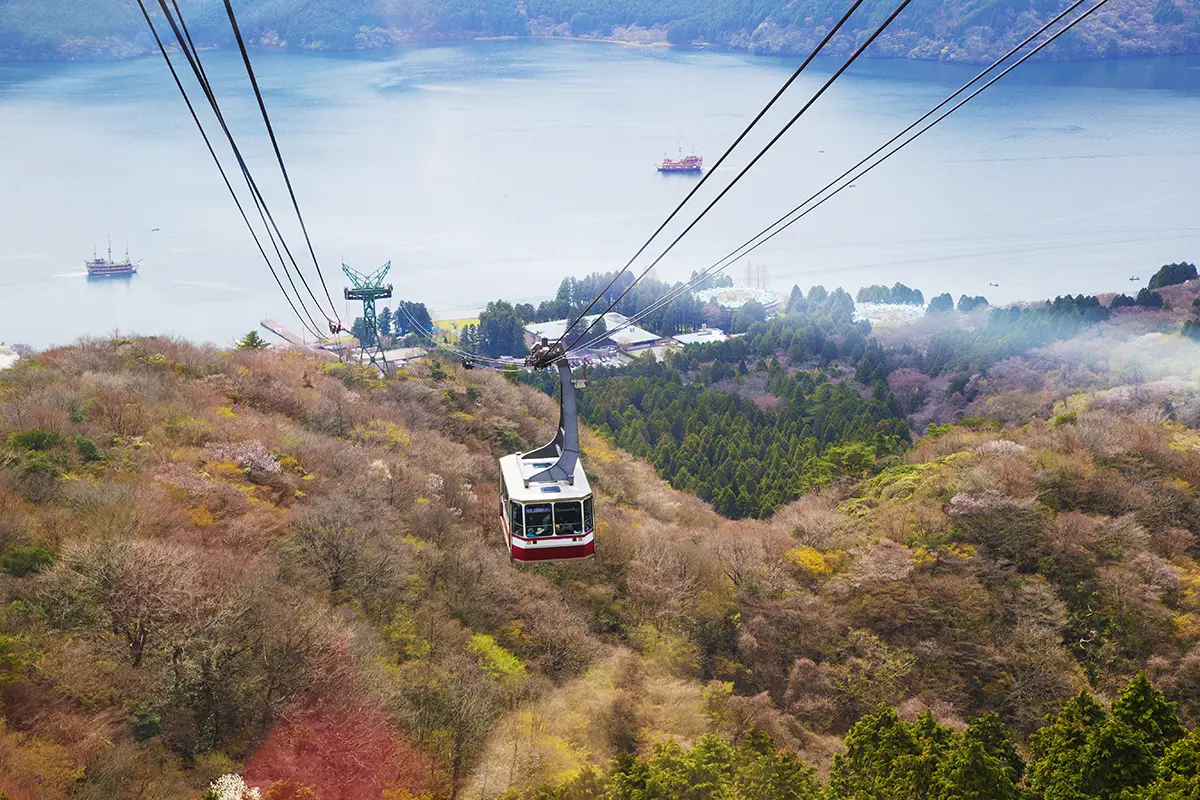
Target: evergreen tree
[
  {"x": 1147, "y": 298},
  {"x": 994, "y": 737},
  {"x": 795, "y": 303},
  {"x": 358, "y": 329},
  {"x": 500, "y": 331},
  {"x": 970, "y": 772},
  {"x": 598, "y": 332},
  {"x": 1172, "y": 274},
  {"x": 764, "y": 771},
  {"x": 385, "y": 321},
  {"x": 252, "y": 341},
  {"x": 1122, "y": 301},
  {"x": 914, "y": 776},
  {"x": 469, "y": 339},
  {"x": 1178, "y": 773},
  {"x": 941, "y": 304},
  {"x": 411, "y": 318},
  {"x": 968, "y": 304},
  {"x": 1144, "y": 709},
  {"x": 1057, "y": 769},
  {"x": 876, "y": 748},
  {"x": 1116, "y": 759},
  {"x": 829, "y": 352},
  {"x": 1191, "y": 327}
]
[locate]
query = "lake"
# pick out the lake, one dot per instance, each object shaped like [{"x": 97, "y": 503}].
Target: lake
[{"x": 487, "y": 170}]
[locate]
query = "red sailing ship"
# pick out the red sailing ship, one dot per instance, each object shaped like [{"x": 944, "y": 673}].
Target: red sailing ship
[{"x": 692, "y": 163}]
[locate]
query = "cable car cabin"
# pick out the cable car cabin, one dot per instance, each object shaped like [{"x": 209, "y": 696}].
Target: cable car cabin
[
  {"x": 545, "y": 521},
  {"x": 546, "y": 505}
]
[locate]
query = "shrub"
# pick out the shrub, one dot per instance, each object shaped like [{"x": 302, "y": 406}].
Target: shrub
[
  {"x": 22, "y": 560},
  {"x": 88, "y": 450},
  {"x": 494, "y": 660},
  {"x": 810, "y": 561},
  {"x": 189, "y": 430},
  {"x": 35, "y": 439},
  {"x": 252, "y": 456}
]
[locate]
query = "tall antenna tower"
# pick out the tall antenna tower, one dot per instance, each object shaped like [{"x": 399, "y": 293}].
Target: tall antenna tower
[
  {"x": 368, "y": 289},
  {"x": 757, "y": 276}
]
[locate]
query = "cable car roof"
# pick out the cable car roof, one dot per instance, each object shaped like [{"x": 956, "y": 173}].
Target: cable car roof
[{"x": 515, "y": 470}]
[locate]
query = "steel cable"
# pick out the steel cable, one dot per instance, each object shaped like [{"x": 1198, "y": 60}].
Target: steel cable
[
  {"x": 758, "y": 240},
  {"x": 187, "y": 46},
  {"x": 237, "y": 32},
  {"x": 216, "y": 160},
  {"x": 704, "y": 178},
  {"x": 836, "y": 75}
]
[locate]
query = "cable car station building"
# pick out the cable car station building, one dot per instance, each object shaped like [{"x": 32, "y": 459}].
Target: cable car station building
[{"x": 631, "y": 339}]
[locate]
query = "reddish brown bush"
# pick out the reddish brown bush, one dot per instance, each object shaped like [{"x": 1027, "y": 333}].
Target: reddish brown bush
[{"x": 342, "y": 752}]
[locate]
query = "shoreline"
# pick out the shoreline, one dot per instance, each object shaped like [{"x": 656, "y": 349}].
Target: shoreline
[
  {"x": 595, "y": 39},
  {"x": 117, "y": 48}
]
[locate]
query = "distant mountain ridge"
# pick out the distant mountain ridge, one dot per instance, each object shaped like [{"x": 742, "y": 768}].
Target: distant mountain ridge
[{"x": 952, "y": 30}]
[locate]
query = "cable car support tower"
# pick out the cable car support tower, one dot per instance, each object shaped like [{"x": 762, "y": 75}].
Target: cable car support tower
[{"x": 368, "y": 289}]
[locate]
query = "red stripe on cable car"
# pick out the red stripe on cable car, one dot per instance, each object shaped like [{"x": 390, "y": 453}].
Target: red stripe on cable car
[{"x": 554, "y": 553}]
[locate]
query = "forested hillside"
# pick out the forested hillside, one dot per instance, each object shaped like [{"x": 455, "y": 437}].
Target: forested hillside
[
  {"x": 229, "y": 568},
  {"x": 945, "y": 29}
]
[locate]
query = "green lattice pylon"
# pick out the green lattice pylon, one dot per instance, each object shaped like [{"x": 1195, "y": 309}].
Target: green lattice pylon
[{"x": 368, "y": 289}]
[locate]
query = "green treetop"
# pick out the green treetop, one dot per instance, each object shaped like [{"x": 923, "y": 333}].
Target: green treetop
[
  {"x": 994, "y": 737},
  {"x": 1144, "y": 709},
  {"x": 1056, "y": 772},
  {"x": 1115, "y": 760},
  {"x": 969, "y": 772},
  {"x": 1178, "y": 773},
  {"x": 940, "y": 304},
  {"x": 876, "y": 749},
  {"x": 252, "y": 341}
]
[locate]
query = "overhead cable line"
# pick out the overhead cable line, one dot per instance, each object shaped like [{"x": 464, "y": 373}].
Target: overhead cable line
[
  {"x": 709, "y": 173},
  {"x": 202, "y": 78},
  {"x": 473, "y": 357},
  {"x": 825, "y": 87},
  {"x": 335, "y": 325},
  {"x": 216, "y": 160},
  {"x": 758, "y": 240},
  {"x": 192, "y": 55}
]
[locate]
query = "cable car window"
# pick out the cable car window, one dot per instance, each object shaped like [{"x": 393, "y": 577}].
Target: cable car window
[
  {"x": 518, "y": 522},
  {"x": 588, "y": 522},
  {"x": 568, "y": 518},
  {"x": 539, "y": 519}
]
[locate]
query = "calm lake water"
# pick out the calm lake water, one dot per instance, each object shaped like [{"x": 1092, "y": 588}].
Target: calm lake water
[{"x": 494, "y": 169}]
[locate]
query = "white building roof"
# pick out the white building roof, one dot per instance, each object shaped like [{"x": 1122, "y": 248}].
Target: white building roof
[
  {"x": 733, "y": 299},
  {"x": 516, "y": 471},
  {"x": 626, "y": 337},
  {"x": 702, "y": 336}
]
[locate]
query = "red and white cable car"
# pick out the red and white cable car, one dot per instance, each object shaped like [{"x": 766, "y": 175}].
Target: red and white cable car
[{"x": 546, "y": 505}]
